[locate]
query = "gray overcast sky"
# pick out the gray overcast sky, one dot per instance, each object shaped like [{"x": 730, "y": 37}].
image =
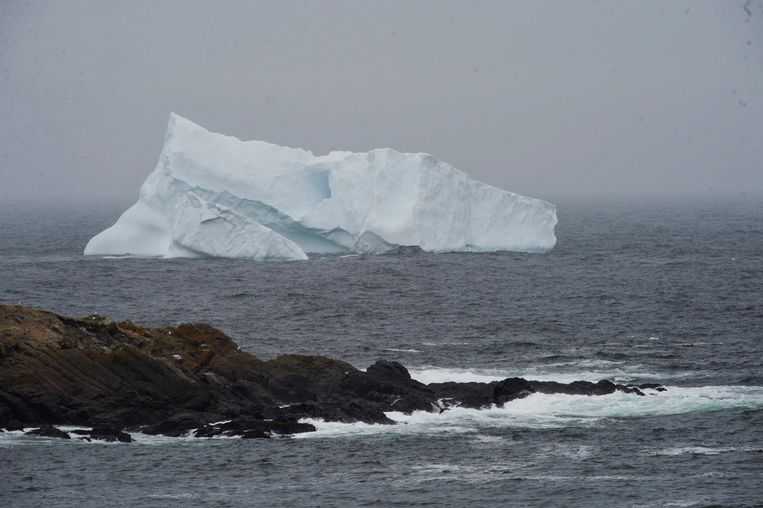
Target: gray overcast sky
[{"x": 544, "y": 98}]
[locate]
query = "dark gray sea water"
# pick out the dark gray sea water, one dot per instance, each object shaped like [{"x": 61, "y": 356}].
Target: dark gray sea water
[{"x": 634, "y": 291}]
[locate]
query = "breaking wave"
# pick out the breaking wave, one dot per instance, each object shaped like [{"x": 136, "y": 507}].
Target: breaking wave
[
  {"x": 555, "y": 411},
  {"x": 562, "y": 372}
]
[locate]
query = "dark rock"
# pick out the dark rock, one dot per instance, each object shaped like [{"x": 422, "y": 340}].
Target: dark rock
[
  {"x": 116, "y": 377},
  {"x": 110, "y": 434},
  {"x": 631, "y": 389},
  {"x": 208, "y": 430},
  {"x": 250, "y": 428},
  {"x": 175, "y": 426},
  {"x": 356, "y": 410},
  {"x": 510, "y": 389},
  {"x": 652, "y": 386},
  {"x": 409, "y": 404},
  {"x": 393, "y": 372},
  {"x": 288, "y": 427},
  {"x": 603, "y": 387},
  {"x": 13, "y": 425},
  {"x": 255, "y": 434},
  {"x": 471, "y": 395},
  {"x": 49, "y": 431}
]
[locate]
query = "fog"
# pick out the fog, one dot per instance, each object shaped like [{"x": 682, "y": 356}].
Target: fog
[{"x": 549, "y": 99}]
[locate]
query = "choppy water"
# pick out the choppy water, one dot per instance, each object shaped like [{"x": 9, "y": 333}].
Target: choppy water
[{"x": 671, "y": 292}]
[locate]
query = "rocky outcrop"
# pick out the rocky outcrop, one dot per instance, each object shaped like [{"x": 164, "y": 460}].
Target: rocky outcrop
[
  {"x": 193, "y": 378},
  {"x": 49, "y": 431}
]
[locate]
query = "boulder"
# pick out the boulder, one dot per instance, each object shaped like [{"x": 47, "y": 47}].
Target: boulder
[
  {"x": 110, "y": 434},
  {"x": 49, "y": 431},
  {"x": 510, "y": 389}
]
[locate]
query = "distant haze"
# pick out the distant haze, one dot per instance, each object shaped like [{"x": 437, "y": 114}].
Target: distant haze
[{"x": 544, "y": 98}]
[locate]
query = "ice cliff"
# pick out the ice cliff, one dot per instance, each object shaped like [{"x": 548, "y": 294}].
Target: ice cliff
[{"x": 214, "y": 195}]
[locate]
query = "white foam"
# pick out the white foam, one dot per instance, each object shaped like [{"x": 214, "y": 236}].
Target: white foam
[
  {"x": 535, "y": 411},
  {"x": 554, "y": 411},
  {"x": 501, "y": 471},
  {"x": 188, "y": 438},
  {"x": 13, "y": 438},
  {"x": 428, "y": 375},
  {"x": 18, "y": 438},
  {"x": 564, "y": 372},
  {"x": 700, "y": 450}
]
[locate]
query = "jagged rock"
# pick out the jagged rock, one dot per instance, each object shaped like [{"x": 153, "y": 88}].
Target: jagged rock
[
  {"x": 255, "y": 434},
  {"x": 652, "y": 386},
  {"x": 49, "y": 431},
  {"x": 176, "y": 426},
  {"x": 110, "y": 434},
  {"x": 13, "y": 425},
  {"x": 389, "y": 371},
  {"x": 103, "y": 432},
  {"x": 471, "y": 395},
  {"x": 510, "y": 389},
  {"x": 121, "y": 376},
  {"x": 603, "y": 387},
  {"x": 250, "y": 428}
]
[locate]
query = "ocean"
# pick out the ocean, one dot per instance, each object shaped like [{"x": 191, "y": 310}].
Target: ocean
[{"x": 667, "y": 291}]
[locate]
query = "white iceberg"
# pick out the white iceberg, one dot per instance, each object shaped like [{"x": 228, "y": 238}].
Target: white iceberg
[{"x": 214, "y": 195}]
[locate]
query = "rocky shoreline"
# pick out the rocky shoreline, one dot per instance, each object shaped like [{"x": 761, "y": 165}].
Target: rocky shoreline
[{"x": 192, "y": 379}]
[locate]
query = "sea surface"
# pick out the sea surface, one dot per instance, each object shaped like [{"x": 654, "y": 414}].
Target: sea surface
[{"x": 635, "y": 291}]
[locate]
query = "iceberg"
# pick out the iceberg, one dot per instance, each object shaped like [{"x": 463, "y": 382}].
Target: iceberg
[{"x": 213, "y": 195}]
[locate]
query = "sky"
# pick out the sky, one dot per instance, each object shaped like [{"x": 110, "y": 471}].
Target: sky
[{"x": 545, "y": 98}]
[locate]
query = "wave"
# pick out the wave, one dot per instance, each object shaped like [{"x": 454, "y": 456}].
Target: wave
[
  {"x": 562, "y": 372},
  {"x": 18, "y": 438},
  {"x": 501, "y": 472},
  {"x": 536, "y": 411},
  {"x": 554, "y": 411},
  {"x": 703, "y": 450}
]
